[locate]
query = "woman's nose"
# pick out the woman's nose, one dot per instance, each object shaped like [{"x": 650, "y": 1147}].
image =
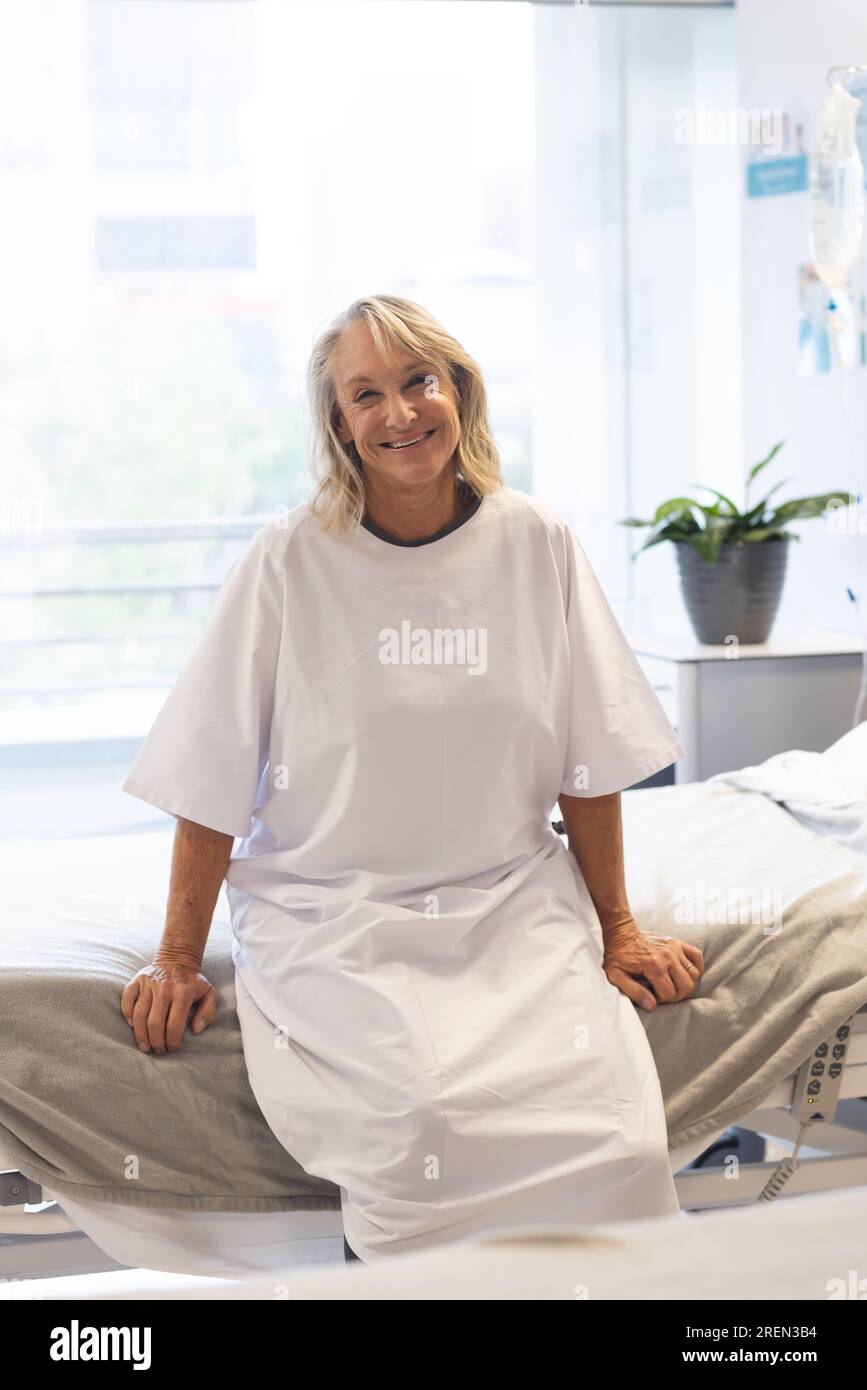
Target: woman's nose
[{"x": 399, "y": 414}]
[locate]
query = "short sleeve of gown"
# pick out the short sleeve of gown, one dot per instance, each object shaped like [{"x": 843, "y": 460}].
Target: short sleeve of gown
[
  {"x": 205, "y": 752},
  {"x": 619, "y": 732}
]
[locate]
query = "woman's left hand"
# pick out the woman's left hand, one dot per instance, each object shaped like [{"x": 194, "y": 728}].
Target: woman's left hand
[{"x": 671, "y": 967}]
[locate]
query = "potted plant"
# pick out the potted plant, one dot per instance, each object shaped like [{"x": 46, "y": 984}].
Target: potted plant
[{"x": 732, "y": 562}]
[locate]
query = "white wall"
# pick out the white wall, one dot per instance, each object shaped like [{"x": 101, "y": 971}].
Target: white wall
[{"x": 785, "y": 48}]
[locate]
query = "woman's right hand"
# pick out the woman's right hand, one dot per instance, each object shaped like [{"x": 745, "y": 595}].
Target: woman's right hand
[{"x": 157, "y": 1002}]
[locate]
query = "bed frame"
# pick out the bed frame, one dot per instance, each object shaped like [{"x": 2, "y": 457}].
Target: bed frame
[
  {"x": 834, "y": 1153},
  {"x": 38, "y": 1240}
]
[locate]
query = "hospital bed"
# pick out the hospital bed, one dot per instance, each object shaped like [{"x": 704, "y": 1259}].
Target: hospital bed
[{"x": 190, "y": 1180}]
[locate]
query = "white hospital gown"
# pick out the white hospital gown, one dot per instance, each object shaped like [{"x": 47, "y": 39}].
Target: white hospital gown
[{"x": 387, "y": 727}]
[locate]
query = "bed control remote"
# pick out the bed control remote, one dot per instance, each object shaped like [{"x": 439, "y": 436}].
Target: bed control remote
[{"x": 817, "y": 1085}]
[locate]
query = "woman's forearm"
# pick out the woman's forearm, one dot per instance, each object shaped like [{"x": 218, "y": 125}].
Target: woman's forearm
[
  {"x": 595, "y": 831},
  {"x": 200, "y": 857}
]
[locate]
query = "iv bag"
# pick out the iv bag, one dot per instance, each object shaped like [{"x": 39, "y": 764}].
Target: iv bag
[{"x": 836, "y": 192}]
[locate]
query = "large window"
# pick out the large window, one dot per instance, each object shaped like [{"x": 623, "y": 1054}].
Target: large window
[{"x": 193, "y": 188}]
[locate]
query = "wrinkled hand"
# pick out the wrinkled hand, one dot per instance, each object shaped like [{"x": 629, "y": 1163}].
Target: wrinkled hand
[
  {"x": 671, "y": 968},
  {"x": 157, "y": 1002}
]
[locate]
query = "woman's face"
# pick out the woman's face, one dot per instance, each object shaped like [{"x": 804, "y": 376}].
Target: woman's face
[{"x": 381, "y": 404}]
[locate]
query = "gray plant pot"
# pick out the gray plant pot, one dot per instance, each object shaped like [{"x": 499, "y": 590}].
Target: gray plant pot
[{"x": 739, "y": 595}]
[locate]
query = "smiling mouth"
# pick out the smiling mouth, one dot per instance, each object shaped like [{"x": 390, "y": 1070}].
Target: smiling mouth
[{"x": 412, "y": 444}]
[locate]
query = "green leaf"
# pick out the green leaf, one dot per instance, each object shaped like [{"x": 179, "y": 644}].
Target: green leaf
[
  {"x": 756, "y": 511},
  {"x": 761, "y": 533},
  {"x": 700, "y": 544},
  {"x": 728, "y": 501},
  {"x": 674, "y": 504},
  {"x": 802, "y": 507},
  {"x": 764, "y": 463},
  {"x": 717, "y": 535}
]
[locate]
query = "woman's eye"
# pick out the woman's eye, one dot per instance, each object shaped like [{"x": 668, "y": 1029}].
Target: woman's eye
[{"x": 370, "y": 393}]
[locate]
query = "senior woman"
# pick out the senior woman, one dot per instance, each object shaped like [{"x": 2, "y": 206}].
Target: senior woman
[{"x": 399, "y": 680}]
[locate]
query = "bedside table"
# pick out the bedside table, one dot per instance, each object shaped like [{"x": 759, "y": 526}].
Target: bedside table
[{"x": 797, "y": 690}]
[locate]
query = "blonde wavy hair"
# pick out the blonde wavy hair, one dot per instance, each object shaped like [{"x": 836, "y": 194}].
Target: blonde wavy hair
[{"x": 337, "y": 499}]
